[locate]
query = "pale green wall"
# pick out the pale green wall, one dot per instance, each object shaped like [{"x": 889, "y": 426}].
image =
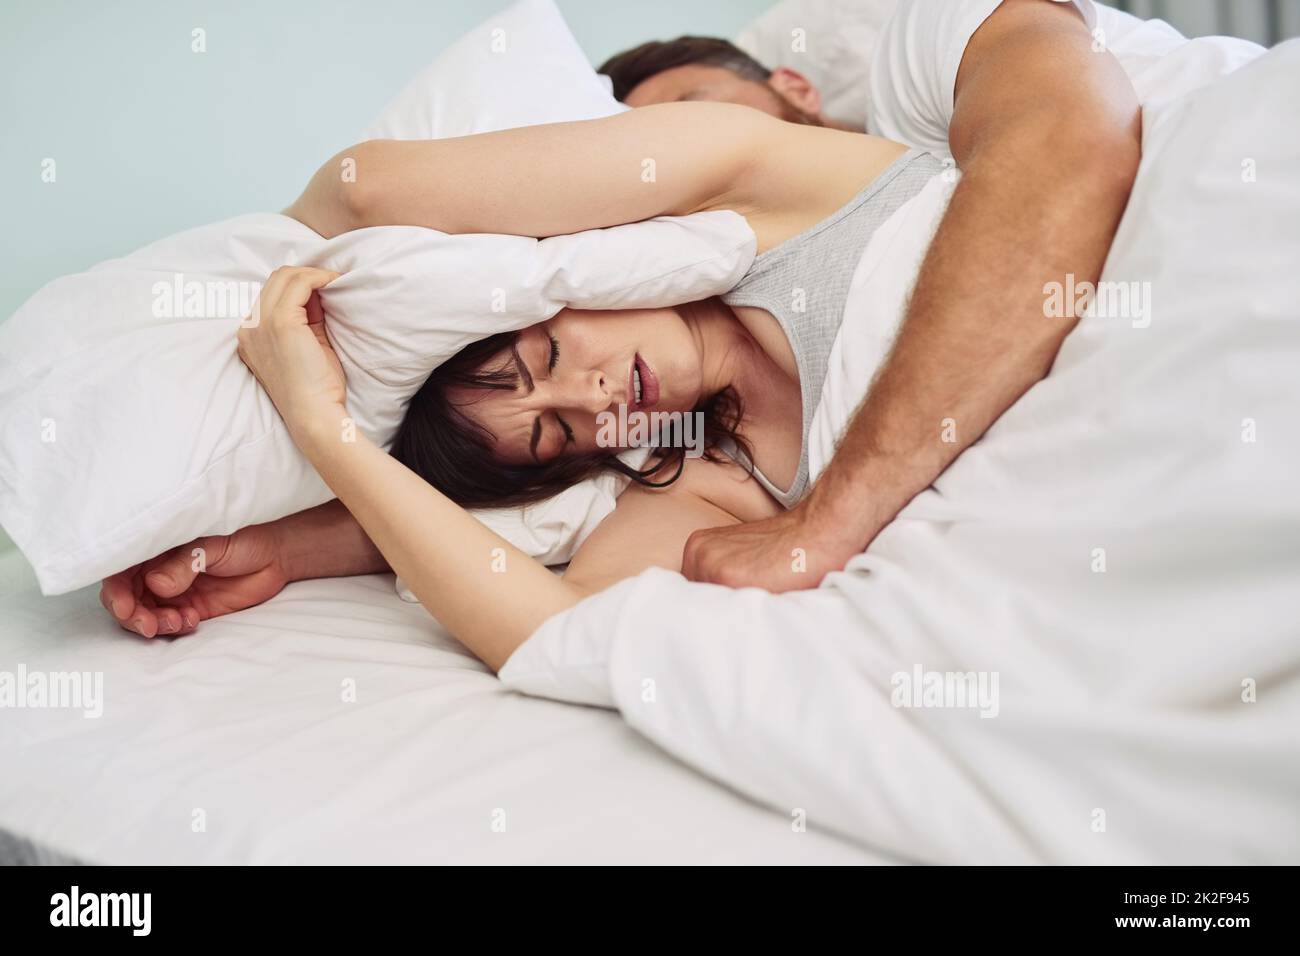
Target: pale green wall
[{"x": 150, "y": 138}]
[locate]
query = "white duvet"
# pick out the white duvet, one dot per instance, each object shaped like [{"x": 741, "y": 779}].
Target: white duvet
[{"x": 1116, "y": 564}]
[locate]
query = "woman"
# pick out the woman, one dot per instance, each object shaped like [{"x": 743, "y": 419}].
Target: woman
[{"x": 515, "y": 418}]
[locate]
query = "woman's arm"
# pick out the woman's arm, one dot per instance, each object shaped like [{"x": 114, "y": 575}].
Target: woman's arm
[
  {"x": 485, "y": 591},
  {"x": 490, "y": 595},
  {"x": 480, "y": 587},
  {"x": 558, "y": 178},
  {"x": 670, "y": 159}
]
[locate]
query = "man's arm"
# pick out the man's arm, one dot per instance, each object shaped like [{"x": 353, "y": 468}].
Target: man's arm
[
  {"x": 173, "y": 592},
  {"x": 1047, "y": 133}
]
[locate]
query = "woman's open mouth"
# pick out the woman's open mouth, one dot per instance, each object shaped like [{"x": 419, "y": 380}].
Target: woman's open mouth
[{"x": 643, "y": 386}]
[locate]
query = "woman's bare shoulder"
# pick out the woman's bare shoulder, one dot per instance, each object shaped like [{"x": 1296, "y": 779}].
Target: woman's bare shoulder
[{"x": 649, "y": 526}]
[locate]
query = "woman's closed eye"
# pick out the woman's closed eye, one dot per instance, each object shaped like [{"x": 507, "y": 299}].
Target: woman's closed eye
[
  {"x": 537, "y": 437},
  {"x": 555, "y": 352},
  {"x": 550, "y": 365}
]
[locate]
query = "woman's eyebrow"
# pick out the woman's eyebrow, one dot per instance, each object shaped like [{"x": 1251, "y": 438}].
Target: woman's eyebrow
[{"x": 522, "y": 371}]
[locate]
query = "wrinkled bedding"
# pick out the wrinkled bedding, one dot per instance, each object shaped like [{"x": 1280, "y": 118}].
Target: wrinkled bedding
[
  {"x": 335, "y": 724},
  {"x": 1101, "y": 593}
]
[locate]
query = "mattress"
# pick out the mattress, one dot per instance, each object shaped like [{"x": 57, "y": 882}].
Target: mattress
[{"x": 335, "y": 724}]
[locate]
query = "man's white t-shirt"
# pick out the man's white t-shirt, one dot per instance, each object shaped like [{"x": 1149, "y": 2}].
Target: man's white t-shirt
[{"x": 914, "y": 68}]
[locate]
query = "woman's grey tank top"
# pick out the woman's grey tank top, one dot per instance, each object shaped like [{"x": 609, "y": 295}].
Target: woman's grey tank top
[{"x": 804, "y": 283}]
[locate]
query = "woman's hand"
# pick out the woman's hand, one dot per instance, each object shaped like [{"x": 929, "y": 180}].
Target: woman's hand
[
  {"x": 170, "y": 594},
  {"x": 285, "y": 345}
]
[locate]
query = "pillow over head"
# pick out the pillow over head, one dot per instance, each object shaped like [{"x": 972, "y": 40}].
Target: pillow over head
[{"x": 128, "y": 425}]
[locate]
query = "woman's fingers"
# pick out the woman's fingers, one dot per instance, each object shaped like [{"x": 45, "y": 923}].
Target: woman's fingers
[
  {"x": 287, "y": 285},
  {"x": 303, "y": 284},
  {"x": 315, "y": 313},
  {"x": 273, "y": 288},
  {"x": 298, "y": 374},
  {"x": 292, "y": 285}
]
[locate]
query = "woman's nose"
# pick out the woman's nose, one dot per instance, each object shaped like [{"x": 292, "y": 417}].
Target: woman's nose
[{"x": 586, "y": 391}]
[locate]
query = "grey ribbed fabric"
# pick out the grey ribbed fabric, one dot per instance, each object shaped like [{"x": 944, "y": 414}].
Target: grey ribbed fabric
[{"x": 814, "y": 270}]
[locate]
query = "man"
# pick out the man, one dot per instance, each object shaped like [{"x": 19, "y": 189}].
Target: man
[
  {"x": 1046, "y": 128},
  {"x": 707, "y": 68}
]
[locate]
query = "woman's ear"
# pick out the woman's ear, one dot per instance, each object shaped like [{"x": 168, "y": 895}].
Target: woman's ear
[{"x": 797, "y": 89}]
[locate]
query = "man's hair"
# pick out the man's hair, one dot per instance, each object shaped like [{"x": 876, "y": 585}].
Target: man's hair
[{"x": 631, "y": 67}]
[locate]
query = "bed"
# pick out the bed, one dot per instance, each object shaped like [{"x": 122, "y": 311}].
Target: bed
[
  {"x": 1114, "y": 561},
  {"x": 338, "y": 724},
  {"x": 236, "y": 745}
]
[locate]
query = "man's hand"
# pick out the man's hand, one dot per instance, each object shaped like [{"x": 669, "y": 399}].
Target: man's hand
[
  {"x": 170, "y": 594},
  {"x": 223, "y": 573},
  {"x": 787, "y": 552}
]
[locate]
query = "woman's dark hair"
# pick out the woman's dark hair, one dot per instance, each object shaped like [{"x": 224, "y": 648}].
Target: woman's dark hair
[
  {"x": 632, "y": 67},
  {"x": 452, "y": 452}
]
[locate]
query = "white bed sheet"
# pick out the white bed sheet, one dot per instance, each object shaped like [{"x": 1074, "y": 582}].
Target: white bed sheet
[
  {"x": 1116, "y": 559},
  {"x": 245, "y": 721}
]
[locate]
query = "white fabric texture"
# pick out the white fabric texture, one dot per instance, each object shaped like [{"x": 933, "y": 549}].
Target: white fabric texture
[
  {"x": 914, "y": 67},
  {"x": 828, "y": 41},
  {"x": 337, "y": 725},
  {"x": 837, "y": 44},
  {"x": 519, "y": 67},
  {"x": 128, "y": 424},
  {"x": 1120, "y": 550}
]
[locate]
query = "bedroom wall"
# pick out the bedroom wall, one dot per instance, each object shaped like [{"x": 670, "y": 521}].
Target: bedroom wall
[
  {"x": 1264, "y": 21},
  {"x": 150, "y": 138}
]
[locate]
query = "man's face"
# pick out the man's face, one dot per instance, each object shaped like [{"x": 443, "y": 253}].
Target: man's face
[{"x": 720, "y": 85}]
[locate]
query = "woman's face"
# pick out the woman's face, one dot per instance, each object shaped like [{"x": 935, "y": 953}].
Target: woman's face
[{"x": 574, "y": 367}]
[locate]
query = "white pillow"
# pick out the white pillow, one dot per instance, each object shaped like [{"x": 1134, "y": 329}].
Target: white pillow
[
  {"x": 518, "y": 68},
  {"x": 828, "y": 41},
  {"x": 128, "y": 424}
]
